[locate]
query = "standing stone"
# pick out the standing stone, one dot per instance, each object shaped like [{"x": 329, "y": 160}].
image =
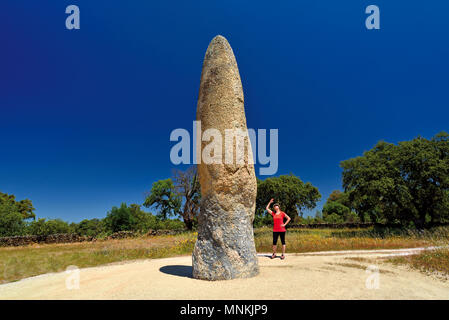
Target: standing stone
[{"x": 225, "y": 246}]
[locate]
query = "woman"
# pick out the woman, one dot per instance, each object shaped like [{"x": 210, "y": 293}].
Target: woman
[{"x": 278, "y": 227}]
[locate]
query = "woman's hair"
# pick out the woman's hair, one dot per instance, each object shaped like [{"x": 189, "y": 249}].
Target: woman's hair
[{"x": 276, "y": 204}]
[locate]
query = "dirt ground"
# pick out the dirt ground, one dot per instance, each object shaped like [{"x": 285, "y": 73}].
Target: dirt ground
[{"x": 321, "y": 275}]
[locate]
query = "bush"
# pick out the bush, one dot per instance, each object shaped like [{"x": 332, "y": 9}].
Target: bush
[
  {"x": 90, "y": 228},
  {"x": 41, "y": 227},
  {"x": 311, "y": 220},
  {"x": 134, "y": 219},
  {"x": 170, "y": 224},
  {"x": 335, "y": 207},
  {"x": 262, "y": 220},
  {"x": 334, "y": 218},
  {"x": 335, "y": 212}
]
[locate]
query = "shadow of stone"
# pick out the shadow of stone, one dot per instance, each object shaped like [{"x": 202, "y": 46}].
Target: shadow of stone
[{"x": 177, "y": 270}]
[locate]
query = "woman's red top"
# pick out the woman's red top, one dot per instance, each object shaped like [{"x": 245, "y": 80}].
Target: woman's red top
[{"x": 278, "y": 219}]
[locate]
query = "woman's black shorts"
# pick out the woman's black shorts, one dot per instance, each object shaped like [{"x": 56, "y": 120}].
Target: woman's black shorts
[{"x": 276, "y": 235}]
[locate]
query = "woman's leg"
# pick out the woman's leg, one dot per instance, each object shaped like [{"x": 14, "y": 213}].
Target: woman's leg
[
  {"x": 283, "y": 242},
  {"x": 275, "y": 241}
]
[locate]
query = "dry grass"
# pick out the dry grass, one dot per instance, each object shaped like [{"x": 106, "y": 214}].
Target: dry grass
[
  {"x": 21, "y": 262},
  {"x": 312, "y": 240},
  {"x": 432, "y": 261},
  {"x": 360, "y": 259},
  {"x": 349, "y": 265},
  {"x": 357, "y": 266}
]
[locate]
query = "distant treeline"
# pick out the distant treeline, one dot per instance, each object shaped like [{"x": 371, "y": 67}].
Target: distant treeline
[
  {"x": 123, "y": 218},
  {"x": 406, "y": 184}
]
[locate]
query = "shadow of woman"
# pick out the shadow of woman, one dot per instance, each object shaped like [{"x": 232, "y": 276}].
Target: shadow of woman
[
  {"x": 177, "y": 270},
  {"x": 266, "y": 255}
]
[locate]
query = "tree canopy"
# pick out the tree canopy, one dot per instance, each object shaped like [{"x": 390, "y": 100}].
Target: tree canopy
[
  {"x": 337, "y": 208},
  {"x": 11, "y": 221},
  {"x": 407, "y": 182},
  {"x": 13, "y": 214},
  {"x": 289, "y": 191},
  {"x": 163, "y": 196},
  {"x": 24, "y": 207}
]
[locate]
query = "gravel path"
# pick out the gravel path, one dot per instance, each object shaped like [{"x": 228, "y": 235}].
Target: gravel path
[{"x": 319, "y": 275}]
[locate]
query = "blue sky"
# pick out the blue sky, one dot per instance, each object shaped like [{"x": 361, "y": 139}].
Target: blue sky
[{"x": 86, "y": 114}]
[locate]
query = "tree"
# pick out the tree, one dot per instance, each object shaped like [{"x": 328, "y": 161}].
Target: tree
[
  {"x": 13, "y": 213},
  {"x": 407, "y": 182},
  {"x": 143, "y": 221},
  {"x": 337, "y": 208},
  {"x": 289, "y": 191},
  {"x": 120, "y": 219},
  {"x": 188, "y": 188},
  {"x": 24, "y": 207},
  {"x": 11, "y": 220},
  {"x": 340, "y": 197},
  {"x": 165, "y": 198},
  {"x": 131, "y": 218},
  {"x": 334, "y": 209}
]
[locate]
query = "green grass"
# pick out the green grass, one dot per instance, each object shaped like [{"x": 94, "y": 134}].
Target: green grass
[{"x": 21, "y": 262}]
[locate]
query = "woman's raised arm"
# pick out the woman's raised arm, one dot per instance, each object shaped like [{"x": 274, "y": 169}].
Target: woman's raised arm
[{"x": 268, "y": 206}]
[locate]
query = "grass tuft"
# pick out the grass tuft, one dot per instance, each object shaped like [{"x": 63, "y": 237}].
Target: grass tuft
[{"x": 429, "y": 261}]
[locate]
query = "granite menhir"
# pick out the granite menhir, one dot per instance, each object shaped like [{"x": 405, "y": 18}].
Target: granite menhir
[{"x": 225, "y": 246}]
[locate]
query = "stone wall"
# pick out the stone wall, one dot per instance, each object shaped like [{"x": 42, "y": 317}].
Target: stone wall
[
  {"x": 54, "y": 238},
  {"x": 164, "y": 232},
  {"x": 150, "y": 233},
  {"x": 358, "y": 225},
  {"x": 331, "y": 225},
  {"x": 71, "y": 238}
]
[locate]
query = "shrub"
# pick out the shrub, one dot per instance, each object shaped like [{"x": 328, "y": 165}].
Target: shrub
[
  {"x": 42, "y": 227},
  {"x": 134, "y": 219},
  {"x": 170, "y": 224},
  {"x": 334, "y": 218},
  {"x": 262, "y": 220},
  {"x": 91, "y": 228}
]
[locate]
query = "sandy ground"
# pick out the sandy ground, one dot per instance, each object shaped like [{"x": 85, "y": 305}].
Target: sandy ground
[{"x": 321, "y": 275}]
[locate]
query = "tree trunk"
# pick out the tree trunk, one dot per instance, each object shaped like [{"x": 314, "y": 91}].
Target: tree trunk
[{"x": 188, "y": 223}]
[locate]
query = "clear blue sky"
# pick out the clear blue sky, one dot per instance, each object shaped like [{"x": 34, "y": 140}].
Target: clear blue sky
[{"x": 86, "y": 114}]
